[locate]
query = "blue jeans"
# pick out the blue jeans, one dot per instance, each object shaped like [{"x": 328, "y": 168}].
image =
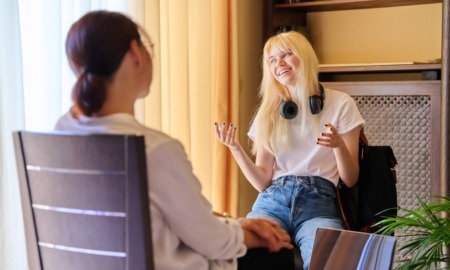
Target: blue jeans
[{"x": 300, "y": 204}]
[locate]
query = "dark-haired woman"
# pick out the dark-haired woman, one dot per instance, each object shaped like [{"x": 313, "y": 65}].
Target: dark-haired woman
[
  {"x": 305, "y": 139},
  {"x": 113, "y": 69}
]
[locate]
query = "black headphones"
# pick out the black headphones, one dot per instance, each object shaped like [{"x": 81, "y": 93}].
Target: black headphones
[{"x": 289, "y": 110}]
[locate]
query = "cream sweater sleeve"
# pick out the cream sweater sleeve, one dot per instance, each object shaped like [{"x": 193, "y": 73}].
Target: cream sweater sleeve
[{"x": 184, "y": 213}]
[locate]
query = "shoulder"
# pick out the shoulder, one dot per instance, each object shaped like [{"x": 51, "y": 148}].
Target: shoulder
[
  {"x": 164, "y": 150},
  {"x": 64, "y": 121},
  {"x": 158, "y": 140},
  {"x": 119, "y": 124},
  {"x": 343, "y": 110},
  {"x": 337, "y": 95},
  {"x": 338, "y": 100}
]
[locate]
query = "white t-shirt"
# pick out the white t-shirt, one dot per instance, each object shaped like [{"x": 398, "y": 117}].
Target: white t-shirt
[
  {"x": 185, "y": 233},
  {"x": 303, "y": 156}
]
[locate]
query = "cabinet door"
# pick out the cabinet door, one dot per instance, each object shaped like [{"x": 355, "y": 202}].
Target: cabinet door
[{"x": 404, "y": 115}]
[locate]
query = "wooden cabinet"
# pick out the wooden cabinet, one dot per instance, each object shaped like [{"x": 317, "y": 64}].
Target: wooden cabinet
[
  {"x": 281, "y": 12},
  {"x": 405, "y": 106}
]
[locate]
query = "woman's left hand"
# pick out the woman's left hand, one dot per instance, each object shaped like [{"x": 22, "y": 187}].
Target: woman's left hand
[
  {"x": 268, "y": 234},
  {"x": 330, "y": 138}
]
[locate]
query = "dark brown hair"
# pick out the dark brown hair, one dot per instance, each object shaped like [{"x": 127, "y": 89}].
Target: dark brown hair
[{"x": 95, "y": 47}]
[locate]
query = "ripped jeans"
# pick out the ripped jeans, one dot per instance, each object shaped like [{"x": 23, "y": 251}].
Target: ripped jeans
[{"x": 300, "y": 204}]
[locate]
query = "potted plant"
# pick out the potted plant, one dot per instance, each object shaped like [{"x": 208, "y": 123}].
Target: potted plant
[{"x": 423, "y": 234}]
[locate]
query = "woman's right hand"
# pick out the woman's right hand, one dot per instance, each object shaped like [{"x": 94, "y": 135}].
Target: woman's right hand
[
  {"x": 259, "y": 174},
  {"x": 226, "y": 135}
]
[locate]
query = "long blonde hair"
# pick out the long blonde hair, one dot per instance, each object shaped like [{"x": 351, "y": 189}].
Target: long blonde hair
[{"x": 272, "y": 130}]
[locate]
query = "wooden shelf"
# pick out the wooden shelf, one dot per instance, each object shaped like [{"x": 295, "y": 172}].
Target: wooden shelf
[
  {"x": 387, "y": 88},
  {"x": 380, "y": 68},
  {"x": 380, "y": 72},
  {"x": 332, "y": 5}
]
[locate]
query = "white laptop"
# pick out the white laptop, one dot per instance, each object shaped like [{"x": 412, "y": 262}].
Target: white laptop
[{"x": 347, "y": 250}]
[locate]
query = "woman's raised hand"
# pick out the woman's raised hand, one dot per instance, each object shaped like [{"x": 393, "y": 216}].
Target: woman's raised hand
[
  {"x": 330, "y": 138},
  {"x": 226, "y": 135}
]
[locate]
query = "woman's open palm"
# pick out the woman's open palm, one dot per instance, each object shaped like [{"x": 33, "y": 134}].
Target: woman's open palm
[{"x": 226, "y": 135}]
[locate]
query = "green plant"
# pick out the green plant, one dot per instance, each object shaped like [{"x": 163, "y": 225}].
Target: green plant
[{"x": 425, "y": 231}]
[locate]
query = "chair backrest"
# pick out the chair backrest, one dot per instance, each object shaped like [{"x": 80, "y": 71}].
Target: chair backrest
[
  {"x": 85, "y": 201},
  {"x": 344, "y": 249}
]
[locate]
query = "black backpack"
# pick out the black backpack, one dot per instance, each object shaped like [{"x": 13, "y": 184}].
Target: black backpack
[{"x": 375, "y": 194}]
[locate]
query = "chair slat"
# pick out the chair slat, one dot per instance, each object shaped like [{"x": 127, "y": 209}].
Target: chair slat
[
  {"x": 81, "y": 231},
  {"x": 95, "y": 192},
  {"x": 55, "y": 259}
]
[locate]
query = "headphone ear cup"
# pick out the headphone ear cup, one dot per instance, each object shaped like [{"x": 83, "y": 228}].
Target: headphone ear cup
[
  {"x": 288, "y": 109},
  {"x": 315, "y": 104}
]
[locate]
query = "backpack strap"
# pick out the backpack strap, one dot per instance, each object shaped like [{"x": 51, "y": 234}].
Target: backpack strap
[
  {"x": 363, "y": 145},
  {"x": 347, "y": 205},
  {"x": 393, "y": 164}
]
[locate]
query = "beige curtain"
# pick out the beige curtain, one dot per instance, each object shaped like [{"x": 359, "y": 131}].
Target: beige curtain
[
  {"x": 35, "y": 83},
  {"x": 195, "y": 84},
  {"x": 12, "y": 238}
]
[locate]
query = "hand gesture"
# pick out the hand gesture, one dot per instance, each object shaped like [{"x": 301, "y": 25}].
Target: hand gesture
[
  {"x": 330, "y": 138},
  {"x": 226, "y": 135}
]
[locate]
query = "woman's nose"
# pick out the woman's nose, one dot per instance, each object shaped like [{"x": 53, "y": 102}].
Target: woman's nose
[{"x": 280, "y": 62}]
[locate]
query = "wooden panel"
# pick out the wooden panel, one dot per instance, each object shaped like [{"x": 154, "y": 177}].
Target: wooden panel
[
  {"x": 81, "y": 231},
  {"x": 445, "y": 108},
  {"x": 272, "y": 19},
  {"x": 431, "y": 88},
  {"x": 63, "y": 260},
  {"x": 65, "y": 152},
  {"x": 330, "y": 5},
  {"x": 378, "y": 68},
  {"x": 93, "y": 192},
  {"x": 407, "y": 117}
]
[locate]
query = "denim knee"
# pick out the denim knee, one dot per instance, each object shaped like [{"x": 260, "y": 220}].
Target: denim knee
[{"x": 305, "y": 236}]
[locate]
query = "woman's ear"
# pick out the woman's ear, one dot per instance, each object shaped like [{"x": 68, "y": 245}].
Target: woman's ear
[{"x": 135, "y": 52}]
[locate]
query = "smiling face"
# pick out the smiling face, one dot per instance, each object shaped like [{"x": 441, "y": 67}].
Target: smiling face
[{"x": 284, "y": 66}]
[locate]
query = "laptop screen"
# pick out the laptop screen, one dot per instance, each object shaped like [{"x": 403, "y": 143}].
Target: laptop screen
[{"x": 342, "y": 249}]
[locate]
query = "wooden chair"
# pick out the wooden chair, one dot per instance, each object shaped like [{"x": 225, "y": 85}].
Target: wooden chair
[{"x": 85, "y": 201}]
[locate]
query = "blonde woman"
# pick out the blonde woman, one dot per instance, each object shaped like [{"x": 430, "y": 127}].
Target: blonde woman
[{"x": 305, "y": 139}]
